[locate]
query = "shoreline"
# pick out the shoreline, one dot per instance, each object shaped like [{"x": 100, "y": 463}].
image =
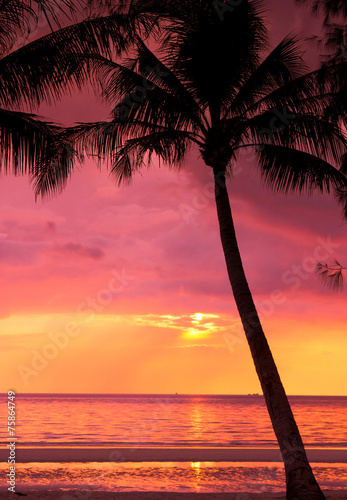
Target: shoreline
[
  {"x": 166, "y": 454},
  {"x": 159, "y": 495}
]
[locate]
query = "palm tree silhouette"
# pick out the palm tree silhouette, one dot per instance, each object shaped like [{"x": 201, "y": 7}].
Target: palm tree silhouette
[
  {"x": 195, "y": 74},
  {"x": 207, "y": 84}
]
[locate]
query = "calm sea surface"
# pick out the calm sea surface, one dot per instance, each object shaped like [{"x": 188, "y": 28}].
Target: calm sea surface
[{"x": 168, "y": 420}]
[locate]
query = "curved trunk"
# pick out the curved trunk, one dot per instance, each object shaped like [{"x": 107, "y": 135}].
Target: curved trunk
[{"x": 300, "y": 481}]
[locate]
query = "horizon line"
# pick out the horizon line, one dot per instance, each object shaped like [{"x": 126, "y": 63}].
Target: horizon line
[{"x": 163, "y": 394}]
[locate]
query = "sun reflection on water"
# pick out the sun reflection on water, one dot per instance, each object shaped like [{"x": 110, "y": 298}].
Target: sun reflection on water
[{"x": 196, "y": 467}]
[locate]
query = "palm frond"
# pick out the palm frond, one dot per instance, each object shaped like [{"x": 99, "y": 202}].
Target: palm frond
[
  {"x": 336, "y": 39},
  {"x": 50, "y": 175},
  {"x": 163, "y": 76},
  {"x": 15, "y": 16},
  {"x": 142, "y": 96},
  {"x": 281, "y": 66},
  {"x": 29, "y": 145},
  {"x": 286, "y": 169},
  {"x": 330, "y": 8},
  {"x": 169, "y": 146},
  {"x": 306, "y": 132},
  {"x": 330, "y": 275},
  {"x": 19, "y": 18},
  {"x": 341, "y": 197},
  {"x": 114, "y": 143},
  {"x": 47, "y": 68},
  {"x": 55, "y": 11},
  {"x": 305, "y": 89}
]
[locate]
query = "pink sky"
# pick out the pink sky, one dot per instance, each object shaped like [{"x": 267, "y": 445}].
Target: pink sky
[{"x": 107, "y": 289}]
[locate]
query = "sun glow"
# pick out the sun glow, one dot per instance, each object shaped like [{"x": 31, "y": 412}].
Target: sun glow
[
  {"x": 201, "y": 327},
  {"x": 196, "y": 317},
  {"x": 192, "y": 332}
]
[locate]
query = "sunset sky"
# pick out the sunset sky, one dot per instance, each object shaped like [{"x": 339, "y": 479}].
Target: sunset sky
[{"x": 124, "y": 289}]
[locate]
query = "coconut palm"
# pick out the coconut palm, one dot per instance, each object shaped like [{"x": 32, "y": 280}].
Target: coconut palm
[
  {"x": 198, "y": 74},
  {"x": 205, "y": 79}
]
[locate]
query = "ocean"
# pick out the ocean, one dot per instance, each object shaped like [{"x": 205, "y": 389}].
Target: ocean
[{"x": 163, "y": 421}]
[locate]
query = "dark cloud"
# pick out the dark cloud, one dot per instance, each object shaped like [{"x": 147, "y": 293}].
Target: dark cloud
[{"x": 80, "y": 250}]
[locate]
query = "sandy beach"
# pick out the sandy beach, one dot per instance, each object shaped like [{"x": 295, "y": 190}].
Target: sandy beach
[
  {"x": 63, "y": 473},
  {"x": 67, "y": 495},
  {"x": 166, "y": 454}
]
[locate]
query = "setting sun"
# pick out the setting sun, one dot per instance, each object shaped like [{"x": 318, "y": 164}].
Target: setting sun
[{"x": 196, "y": 317}]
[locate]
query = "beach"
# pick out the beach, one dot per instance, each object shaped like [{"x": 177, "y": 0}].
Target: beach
[
  {"x": 167, "y": 454},
  {"x": 55, "y": 495},
  {"x": 58, "y": 478},
  {"x": 167, "y": 473}
]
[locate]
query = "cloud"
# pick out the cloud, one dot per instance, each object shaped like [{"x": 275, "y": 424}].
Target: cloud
[
  {"x": 196, "y": 325},
  {"x": 78, "y": 250}
]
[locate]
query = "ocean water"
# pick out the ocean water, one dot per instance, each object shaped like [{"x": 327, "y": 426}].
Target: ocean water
[{"x": 168, "y": 420}]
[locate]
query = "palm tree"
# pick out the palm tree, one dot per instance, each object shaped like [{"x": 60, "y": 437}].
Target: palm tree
[{"x": 208, "y": 83}]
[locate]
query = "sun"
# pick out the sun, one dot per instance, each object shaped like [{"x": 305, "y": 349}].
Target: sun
[
  {"x": 196, "y": 317},
  {"x": 198, "y": 327}
]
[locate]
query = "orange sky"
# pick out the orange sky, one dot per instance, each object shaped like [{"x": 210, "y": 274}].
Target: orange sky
[{"x": 107, "y": 289}]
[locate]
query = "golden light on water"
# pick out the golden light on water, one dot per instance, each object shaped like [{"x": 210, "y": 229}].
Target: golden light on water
[{"x": 195, "y": 465}]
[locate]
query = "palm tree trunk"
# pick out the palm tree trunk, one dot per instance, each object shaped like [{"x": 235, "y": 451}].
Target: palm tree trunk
[{"x": 300, "y": 481}]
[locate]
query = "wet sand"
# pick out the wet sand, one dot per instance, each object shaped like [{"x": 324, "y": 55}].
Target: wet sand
[
  {"x": 67, "y": 495},
  {"x": 165, "y": 454}
]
